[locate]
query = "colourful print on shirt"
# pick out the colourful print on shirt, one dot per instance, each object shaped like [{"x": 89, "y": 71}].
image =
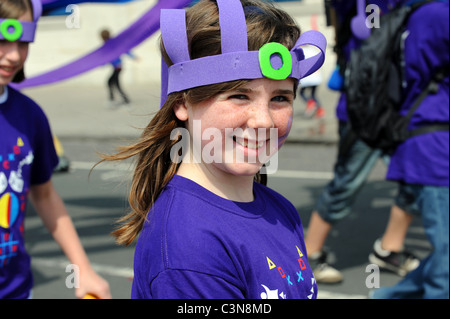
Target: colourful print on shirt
[
  {"x": 8, "y": 248},
  {"x": 13, "y": 193},
  {"x": 292, "y": 280},
  {"x": 9, "y": 209}
]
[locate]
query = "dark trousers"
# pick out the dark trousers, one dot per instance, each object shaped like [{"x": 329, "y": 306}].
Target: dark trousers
[{"x": 113, "y": 83}]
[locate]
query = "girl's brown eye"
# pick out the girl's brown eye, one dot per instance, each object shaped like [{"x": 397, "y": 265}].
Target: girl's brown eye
[
  {"x": 281, "y": 99},
  {"x": 239, "y": 97}
]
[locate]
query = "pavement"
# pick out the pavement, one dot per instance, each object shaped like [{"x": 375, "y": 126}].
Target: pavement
[{"x": 82, "y": 112}]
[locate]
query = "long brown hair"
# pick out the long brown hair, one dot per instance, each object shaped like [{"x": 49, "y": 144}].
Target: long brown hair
[
  {"x": 154, "y": 167},
  {"x": 14, "y": 9}
]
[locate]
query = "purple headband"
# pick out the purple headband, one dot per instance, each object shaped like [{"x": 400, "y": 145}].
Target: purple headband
[
  {"x": 273, "y": 60},
  {"x": 23, "y": 31}
]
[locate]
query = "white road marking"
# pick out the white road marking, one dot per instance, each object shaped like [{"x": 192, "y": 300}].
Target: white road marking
[
  {"x": 335, "y": 295},
  {"x": 303, "y": 174},
  {"x": 124, "y": 272},
  {"x": 102, "y": 166},
  {"x": 128, "y": 167}
]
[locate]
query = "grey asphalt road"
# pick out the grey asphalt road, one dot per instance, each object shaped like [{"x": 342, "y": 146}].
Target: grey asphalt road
[{"x": 96, "y": 199}]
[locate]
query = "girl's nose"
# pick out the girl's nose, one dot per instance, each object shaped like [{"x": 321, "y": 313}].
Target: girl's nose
[{"x": 260, "y": 117}]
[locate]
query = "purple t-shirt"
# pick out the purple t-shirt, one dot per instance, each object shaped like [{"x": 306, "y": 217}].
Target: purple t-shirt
[
  {"x": 424, "y": 159},
  {"x": 27, "y": 157},
  {"x": 197, "y": 245}
]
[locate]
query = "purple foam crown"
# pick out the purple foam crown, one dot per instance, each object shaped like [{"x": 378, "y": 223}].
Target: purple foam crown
[{"x": 236, "y": 62}]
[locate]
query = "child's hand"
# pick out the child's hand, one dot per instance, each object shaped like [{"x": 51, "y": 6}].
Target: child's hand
[{"x": 91, "y": 283}]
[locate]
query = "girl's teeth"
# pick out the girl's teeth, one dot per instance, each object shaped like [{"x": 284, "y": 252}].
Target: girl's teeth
[{"x": 251, "y": 145}]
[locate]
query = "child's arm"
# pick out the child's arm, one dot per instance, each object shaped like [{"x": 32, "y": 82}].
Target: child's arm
[
  {"x": 53, "y": 213},
  {"x": 133, "y": 56}
]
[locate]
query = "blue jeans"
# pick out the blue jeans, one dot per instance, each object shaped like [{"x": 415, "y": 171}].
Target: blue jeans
[
  {"x": 353, "y": 166},
  {"x": 431, "y": 279}
]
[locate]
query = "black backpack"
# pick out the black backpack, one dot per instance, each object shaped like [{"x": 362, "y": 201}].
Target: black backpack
[{"x": 373, "y": 84}]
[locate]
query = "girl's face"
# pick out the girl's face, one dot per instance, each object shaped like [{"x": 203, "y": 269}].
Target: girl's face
[
  {"x": 241, "y": 129},
  {"x": 12, "y": 56}
]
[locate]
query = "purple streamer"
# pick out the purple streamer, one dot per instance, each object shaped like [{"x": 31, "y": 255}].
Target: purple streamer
[{"x": 139, "y": 31}]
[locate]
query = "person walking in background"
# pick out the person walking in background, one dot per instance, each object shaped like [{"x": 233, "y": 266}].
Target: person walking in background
[
  {"x": 27, "y": 160},
  {"x": 308, "y": 90},
  {"x": 420, "y": 165},
  {"x": 114, "y": 79},
  {"x": 310, "y": 84},
  {"x": 353, "y": 165}
]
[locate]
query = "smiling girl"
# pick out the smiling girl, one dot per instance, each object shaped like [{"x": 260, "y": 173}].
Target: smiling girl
[{"x": 210, "y": 228}]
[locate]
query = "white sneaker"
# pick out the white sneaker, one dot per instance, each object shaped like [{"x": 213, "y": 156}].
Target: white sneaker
[
  {"x": 400, "y": 263},
  {"x": 323, "y": 272}
]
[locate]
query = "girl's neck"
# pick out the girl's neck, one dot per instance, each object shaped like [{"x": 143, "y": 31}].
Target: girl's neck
[
  {"x": 232, "y": 187},
  {"x": 2, "y": 89}
]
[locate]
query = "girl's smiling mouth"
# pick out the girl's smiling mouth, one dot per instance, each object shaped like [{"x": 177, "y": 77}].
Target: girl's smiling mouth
[
  {"x": 7, "y": 70},
  {"x": 251, "y": 144}
]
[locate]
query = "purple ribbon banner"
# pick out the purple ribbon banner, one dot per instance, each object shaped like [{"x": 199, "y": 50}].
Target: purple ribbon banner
[{"x": 135, "y": 34}]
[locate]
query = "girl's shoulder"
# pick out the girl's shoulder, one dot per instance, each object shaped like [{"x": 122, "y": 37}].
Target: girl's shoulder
[{"x": 23, "y": 103}]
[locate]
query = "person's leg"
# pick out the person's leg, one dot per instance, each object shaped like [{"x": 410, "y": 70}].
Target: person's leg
[
  {"x": 303, "y": 94},
  {"x": 320, "y": 111},
  {"x": 353, "y": 165},
  {"x": 431, "y": 278},
  {"x": 310, "y": 108},
  {"x": 408, "y": 288},
  {"x": 318, "y": 230},
  {"x": 125, "y": 98},
  {"x": 434, "y": 204},
  {"x": 314, "y": 96},
  {"x": 111, "y": 86},
  {"x": 394, "y": 236},
  {"x": 388, "y": 252}
]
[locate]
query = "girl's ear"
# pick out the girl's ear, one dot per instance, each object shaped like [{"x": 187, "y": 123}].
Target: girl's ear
[{"x": 181, "y": 112}]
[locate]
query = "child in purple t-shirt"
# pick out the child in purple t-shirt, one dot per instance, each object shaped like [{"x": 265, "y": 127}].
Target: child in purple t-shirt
[
  {"x": 27, "y": 160},
  {"x": 207, "y": 226}
]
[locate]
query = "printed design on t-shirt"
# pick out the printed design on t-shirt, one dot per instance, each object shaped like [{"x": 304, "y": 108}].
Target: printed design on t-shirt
[
  {"x": 292, "y": 280},
  {"x": 13, "y": 202},
  {"x": 13, "y": 193},
  {"x": 15, "y": 178},
  {"x": 272, "y": 294},
  {"x": 8, "y": 248}
]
